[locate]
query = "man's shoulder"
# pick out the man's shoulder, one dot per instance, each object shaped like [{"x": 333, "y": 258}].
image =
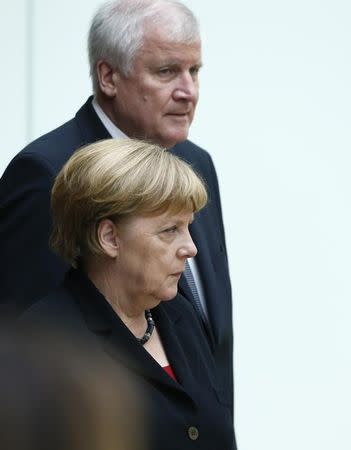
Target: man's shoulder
[
  {"x": 189, "y": 151},
  {"x": 54, "y": 147},
  {"x": 200, "y": 160}
]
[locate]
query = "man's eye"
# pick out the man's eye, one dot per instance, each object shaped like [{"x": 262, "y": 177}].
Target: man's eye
[
  {"x": 194, "y": 71},
  {"x": 165, "y": 71}
]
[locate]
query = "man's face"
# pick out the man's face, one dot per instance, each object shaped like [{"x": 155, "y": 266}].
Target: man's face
[{"x": 157, "y": 101}]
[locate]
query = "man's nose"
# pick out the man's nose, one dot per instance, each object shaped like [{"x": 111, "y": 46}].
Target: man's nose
[{"x": 187, "y": 88}]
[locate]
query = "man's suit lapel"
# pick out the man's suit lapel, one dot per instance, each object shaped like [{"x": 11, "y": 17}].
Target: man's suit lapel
[
  {"x": 207, "y": 269},
  {"x": 199, "y": 232},
  {"x": 184, "y": 289},
  {"x": 91, "y": 127}
]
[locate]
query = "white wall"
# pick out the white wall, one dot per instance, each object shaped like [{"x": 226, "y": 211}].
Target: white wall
[
  {"x": 13, "y": 78},
  {"x": 275, "y": 114}
]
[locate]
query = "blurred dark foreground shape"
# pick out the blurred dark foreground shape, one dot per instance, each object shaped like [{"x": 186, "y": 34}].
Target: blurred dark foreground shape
[{"x": 75, "y": 402}]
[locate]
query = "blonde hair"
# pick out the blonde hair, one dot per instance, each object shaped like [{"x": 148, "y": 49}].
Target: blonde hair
[{"x": 114, "y": 179}]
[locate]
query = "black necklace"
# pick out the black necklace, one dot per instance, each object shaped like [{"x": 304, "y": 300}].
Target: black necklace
[{"x": 149, "y": 329}]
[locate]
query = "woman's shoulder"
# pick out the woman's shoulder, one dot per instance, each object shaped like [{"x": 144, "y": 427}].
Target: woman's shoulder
[{"x": 58, "y": 307}]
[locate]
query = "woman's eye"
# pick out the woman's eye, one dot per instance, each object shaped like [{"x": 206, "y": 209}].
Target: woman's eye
[{"x": 170, "y": 230}]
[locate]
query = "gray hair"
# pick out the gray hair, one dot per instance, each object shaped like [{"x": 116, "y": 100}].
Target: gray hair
[{"x": 117, "y": 30}]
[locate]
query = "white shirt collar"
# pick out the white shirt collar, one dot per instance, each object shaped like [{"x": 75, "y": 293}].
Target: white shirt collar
[{"x": 114, "y": 131}]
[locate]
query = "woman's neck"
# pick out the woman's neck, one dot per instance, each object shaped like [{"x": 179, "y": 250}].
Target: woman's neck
[{"x": 127, "y": 310}]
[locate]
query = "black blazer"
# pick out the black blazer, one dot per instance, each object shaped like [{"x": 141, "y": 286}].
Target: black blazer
[
  {"x": 30, "y": 270},
  {"x": 187, "y": 414}
]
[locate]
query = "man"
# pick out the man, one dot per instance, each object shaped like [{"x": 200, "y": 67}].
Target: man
[{"x": 145, "y": 56}]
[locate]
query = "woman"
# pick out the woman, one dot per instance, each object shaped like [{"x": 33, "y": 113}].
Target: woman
[{"x": 121, "y": 214}]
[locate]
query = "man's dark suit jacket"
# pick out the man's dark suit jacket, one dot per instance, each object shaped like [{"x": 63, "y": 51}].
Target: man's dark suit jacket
[
  {"x": 170, "y": 408},
  {"x": 30, "y": 270}
]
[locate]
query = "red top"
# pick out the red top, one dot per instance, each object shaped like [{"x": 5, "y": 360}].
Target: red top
[{"x": 170, "y": 372}]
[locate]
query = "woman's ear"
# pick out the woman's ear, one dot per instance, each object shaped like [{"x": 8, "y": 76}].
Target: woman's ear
[{"x": 108, "y": 238}]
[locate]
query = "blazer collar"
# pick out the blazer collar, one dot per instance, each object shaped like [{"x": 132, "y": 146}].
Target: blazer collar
[{"x": 120, "y": 343}]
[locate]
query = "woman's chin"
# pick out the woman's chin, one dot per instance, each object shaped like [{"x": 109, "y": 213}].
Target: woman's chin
[{"x": 170, "y": 295}]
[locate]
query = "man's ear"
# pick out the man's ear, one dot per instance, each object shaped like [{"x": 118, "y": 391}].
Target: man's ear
[
  {"x": 108, "y": 238},
  {"x": 108, "y": 78}
]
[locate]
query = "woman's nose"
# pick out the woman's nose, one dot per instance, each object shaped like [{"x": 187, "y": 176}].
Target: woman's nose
[
  {"x": 188, "y": 249},
  {"x": 192, "y": 249}
]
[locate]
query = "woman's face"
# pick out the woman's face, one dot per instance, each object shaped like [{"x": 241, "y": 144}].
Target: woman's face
[{"x": 152, "y": 251}]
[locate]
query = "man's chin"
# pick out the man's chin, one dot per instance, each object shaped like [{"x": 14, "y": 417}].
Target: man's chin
[{"x": 175, "y": 138}]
